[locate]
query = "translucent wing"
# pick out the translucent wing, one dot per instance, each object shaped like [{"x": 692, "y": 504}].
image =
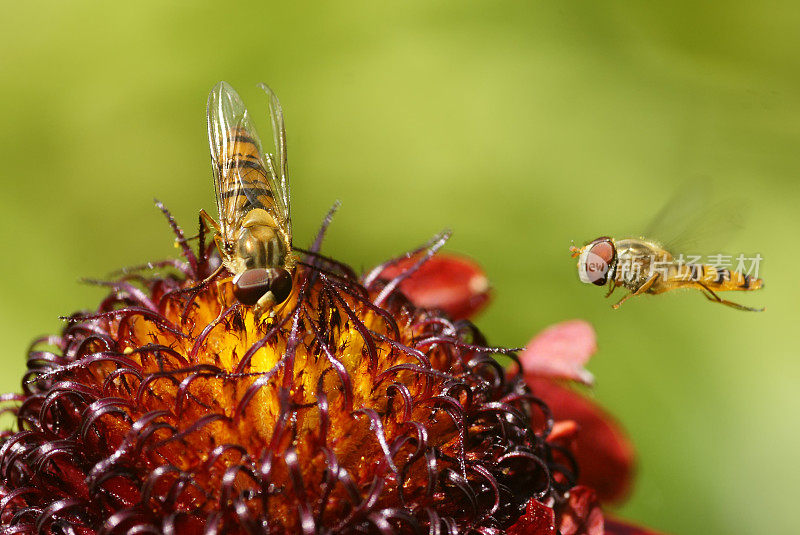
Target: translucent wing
[
  {"x": 696, "y": 221},
  {"x": 279, "y": 180},
  {"x": 244, "y": 178}
]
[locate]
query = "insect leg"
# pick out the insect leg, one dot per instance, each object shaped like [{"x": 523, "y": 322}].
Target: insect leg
[
  {"x": 204, "y": 282},
  {"x": 711, "y": 296},
  {"x": 221, "y": 294},
  {"x": 214, "y": 274},
  {"x": 208, "y": 221},
  {"x": 619, "y": 303},
  {"x": 220, "y": 245},
  {"x": 611, "y": 289},
  {"x": 640, "y": 290}
]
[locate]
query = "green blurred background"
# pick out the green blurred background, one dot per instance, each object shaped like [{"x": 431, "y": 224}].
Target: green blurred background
[{"x": 520, "y": 125}]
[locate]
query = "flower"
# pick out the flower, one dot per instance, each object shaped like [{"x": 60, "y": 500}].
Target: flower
[{"x": 358, "y": 406}]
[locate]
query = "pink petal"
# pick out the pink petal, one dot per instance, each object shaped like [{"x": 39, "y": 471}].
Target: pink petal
[
  {"x": 560, "y": 351},
  {"x": 581, "y": 514},
  {"x": 538, "y": 519},
  {"x": 616, "y": 527},
  {"x": 602, "y": 450},
  {"x": 447, "y": 282}
]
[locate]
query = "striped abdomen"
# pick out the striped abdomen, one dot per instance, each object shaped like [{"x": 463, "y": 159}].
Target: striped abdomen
[
  {"x": 716, "y": 278},
  {"x": 243, "y": 185}
]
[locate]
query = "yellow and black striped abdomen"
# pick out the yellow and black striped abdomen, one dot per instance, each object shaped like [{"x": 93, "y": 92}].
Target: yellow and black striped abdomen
[
  {"x": 716, "y": 278},
  {"x": 243, "y": 178}
]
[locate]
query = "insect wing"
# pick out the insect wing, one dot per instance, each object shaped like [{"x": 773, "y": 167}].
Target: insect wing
[
  {"x": 243, "y": 179},
  {"x": 278, "y": 179},
  {"x": 696, "y": 221}
]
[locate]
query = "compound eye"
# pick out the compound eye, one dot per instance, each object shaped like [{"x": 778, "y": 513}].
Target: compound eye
[
  {"x": 251, "y": 285},
  {"x": 597, "y": 260},
  {"x": 281, "y": 285},
  {"x": 604, "y": 250}
]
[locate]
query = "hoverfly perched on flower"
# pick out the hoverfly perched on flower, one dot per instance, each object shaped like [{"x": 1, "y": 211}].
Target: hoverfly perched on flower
[
  {"x": 254, "y": 235},
  {"x": 642, "y": 265}
]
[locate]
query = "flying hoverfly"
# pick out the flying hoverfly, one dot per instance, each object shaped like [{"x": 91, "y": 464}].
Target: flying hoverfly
[
  {"x": 254, "y": 235},
  {"x": 642, "y": 265}
]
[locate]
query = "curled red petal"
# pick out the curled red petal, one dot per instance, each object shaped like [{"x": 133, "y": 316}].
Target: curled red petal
[
  {"x": 617, "y": 527},
  {"x": 580, "y": 514},
  {"x": 560, "y": 351},
  {"x": 538, "y": 519},
  {"x": 447, "y": 282},
  {"x": 602, "y": 450}
]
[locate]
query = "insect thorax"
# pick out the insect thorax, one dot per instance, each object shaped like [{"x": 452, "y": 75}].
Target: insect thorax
[
  {"x": 259, "y": 246},
  {"x": 636, "y": 260}
]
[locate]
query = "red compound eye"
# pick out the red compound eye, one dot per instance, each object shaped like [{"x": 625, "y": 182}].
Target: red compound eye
[
  {"x": 281, "y": 285},
  {"x": 605, "y": 250},
  {"x": 601, "y": 256},
  {"x": 251, "y": 285}
]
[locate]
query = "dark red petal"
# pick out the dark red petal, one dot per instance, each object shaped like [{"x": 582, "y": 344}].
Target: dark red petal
[
  {"x": 538, "y": 519},
  {"x": 560, "y": 351},
  {"x": 448, "y": 282},
  {"x": 581, "y": 514},
  {"x": 616, "y": 527},
  {"x": 603, "y": 452}
]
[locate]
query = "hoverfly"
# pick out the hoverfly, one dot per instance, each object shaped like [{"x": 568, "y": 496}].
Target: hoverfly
[
  {"x": 254, "y": 235},
  {"x": 642, "y": 265}
]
